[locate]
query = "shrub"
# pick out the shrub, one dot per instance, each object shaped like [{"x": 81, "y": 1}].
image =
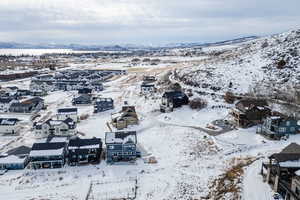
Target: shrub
[
  {"x": 281, "y": 64},
  {"x": 84, "y": 117},
  {"x": 198, "y": 103},
  {"x": 176, "y": 87},
  {"x": 229, "y": 97}
]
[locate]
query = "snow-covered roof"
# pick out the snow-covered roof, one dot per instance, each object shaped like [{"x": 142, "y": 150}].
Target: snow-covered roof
[
  {"x": 50, "y": 152},
  {"x": 94, "y": 146},
  {"x": 8, "y": 121},
  {"x": 12, "y": 159},
  {"x": 55, "y": 122},
  {"x": 47, "y": 149},
  {"x": 120, "y": 137},
  {"x": 53, "y": 139},
  {"x": 293, "y": 164},
  {"x": 275, "y": 117}
]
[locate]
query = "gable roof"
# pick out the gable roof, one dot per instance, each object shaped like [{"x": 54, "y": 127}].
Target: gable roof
[
  {"x": 83, "y": 97},
  {"x": 33, "y": 100},
  {"x": 289, "y": 153},
  {"x": 79, "y": 142},
  {"x": 121, "y": 137},
  {"x": 8, "y": 121},
  {"x": 253, "y": 102},
  {"x": 47, "y": 149},
  {"x": 21, "y": 150},
  {"x": 174, "y": 94},
  {"x": 48, "y": 146},
  {"x": 67, "y": 110},
  {"x": 128, "y": 109},
  {"x": 69, "y": 122}
]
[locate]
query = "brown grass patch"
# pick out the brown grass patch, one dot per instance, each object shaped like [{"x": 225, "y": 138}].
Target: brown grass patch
[{"x": 228, "y": 185}]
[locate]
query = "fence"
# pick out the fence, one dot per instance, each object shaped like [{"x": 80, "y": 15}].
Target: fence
[{"x": 125, "y": 188}]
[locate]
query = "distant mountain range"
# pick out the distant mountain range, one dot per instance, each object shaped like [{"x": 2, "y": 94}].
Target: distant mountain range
[{"x": 127, "y": 47}]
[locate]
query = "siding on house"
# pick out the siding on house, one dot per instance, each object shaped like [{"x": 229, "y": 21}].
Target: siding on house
[{"x": 121, "y": 146}]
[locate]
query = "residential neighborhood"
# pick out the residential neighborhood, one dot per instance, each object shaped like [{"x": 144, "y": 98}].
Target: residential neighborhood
[{"x": 211, "y": 119}]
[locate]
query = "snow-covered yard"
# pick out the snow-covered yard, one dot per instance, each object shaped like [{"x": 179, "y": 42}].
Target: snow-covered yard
[{"x": 189, "y": 159}]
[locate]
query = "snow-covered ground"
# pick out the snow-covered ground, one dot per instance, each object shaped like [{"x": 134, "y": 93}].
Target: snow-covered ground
[
  {"x": 185, "y": 160},
  {"x": 189, "y": 159}
]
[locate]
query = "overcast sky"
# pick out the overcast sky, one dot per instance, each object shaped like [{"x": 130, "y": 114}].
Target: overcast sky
[{"x": 143, "y": 21}]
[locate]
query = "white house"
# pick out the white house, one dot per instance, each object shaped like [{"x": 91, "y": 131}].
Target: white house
[
  {"x": 56, "y": 127},
  {"x": 9, "y": 125},
  {"x": 65, "y": 113}
]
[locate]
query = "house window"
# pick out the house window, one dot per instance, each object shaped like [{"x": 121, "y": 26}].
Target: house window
[
  {"x": 297, "y": 191},
  {"x": 293, "y": 129},
  {"x": 282, "y": 130},
  {"x": 288, "y": 123},
  {"x": 111, "y": 147}
]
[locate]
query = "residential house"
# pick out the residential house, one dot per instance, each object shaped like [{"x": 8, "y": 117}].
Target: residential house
[
  {"x": 39, "y": 93},
  {"x": 103, "y": 104},
  {"x": 296, "y": 186},
  {"x": 9, "y": 125},
  {"x": 147, "y": 88},
  {"x": 173, "y": 99},
  {"x": 82, "y": 151},
  {"x": 121, "y": 146},
  {"x": 83, "y": 99},
  {"x": 85, "y": 91},
  {"x": 65, "y": 127},
  {"x": 48, "y": 155},
  {"x": 22, "y": 92},
  {"x": 97, "y": 86},
  {"x": 149, "y": 79},
  {"x": 275, "y": 127},
  {"x": 42, "y": 85},
  {"x": 281, "y": 169},
  {"x": 5, "y": 103},
  {"x": 64, "y": 113},
  {"x": 16, "y": 158},
  {"x": 248, "y": 112},
  {"x": 126, "y": 117},
  {"x": 34, "y": 104}
]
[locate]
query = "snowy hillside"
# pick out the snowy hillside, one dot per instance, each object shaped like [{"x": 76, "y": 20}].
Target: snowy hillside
[{"x": 271, "y": 62}]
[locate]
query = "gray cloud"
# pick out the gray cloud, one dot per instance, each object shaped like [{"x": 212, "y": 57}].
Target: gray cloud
[{"x": 143, "y": 21}]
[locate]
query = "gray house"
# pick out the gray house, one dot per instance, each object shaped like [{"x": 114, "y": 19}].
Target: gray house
[
  {"x": 277, "y": 126},
  {"x": 16, "y": 158},
  {"x": 48, "y": 155},
  {"x": 103, "y": 104},
  {"x": 82, "y": 100},
  {"x": 121, "y": 146},
  {"x": 34, "y": 104}
]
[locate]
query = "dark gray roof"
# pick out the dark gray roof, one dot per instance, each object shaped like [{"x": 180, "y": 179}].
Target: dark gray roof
[
  {"x": 255, "y": 102},
  {"x": 67, "y": 110},
  {"x": 5, "y": 99},
  {"x": 48, "y": 146},
  {"x": 78, "y": 142},
  {"x": 289, "y": 153},
  {"x": 21, "y": 150},
  {"x": 13, "y": 87},
  {"x": 174, "y": 94}
]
